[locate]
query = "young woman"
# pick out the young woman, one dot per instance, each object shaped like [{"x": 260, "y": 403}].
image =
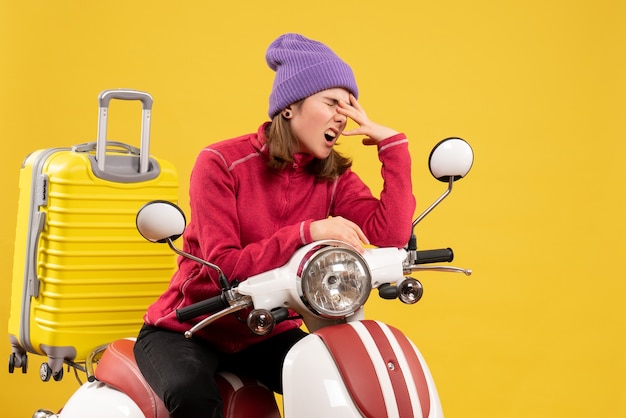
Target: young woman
[{"x": 257, "y": 198}]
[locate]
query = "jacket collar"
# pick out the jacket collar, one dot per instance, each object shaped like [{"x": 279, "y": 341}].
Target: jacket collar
[{"x": 300, "y": 160}]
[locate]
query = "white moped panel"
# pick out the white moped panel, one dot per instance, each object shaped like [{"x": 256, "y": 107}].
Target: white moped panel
[
  {"x": 98, "y": 400},
  {"x": 385, "y": 265},
  {"x": 312, "y": 385}
]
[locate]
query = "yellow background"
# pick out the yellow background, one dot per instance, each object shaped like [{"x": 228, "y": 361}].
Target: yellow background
[{"x": 536, "y": 86}]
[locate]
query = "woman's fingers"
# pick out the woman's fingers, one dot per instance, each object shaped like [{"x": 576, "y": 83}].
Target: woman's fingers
[{"x": 340, "y": 229}]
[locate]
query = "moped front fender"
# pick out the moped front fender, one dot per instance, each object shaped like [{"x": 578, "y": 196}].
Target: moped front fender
[{"x": 360, "y": 369}]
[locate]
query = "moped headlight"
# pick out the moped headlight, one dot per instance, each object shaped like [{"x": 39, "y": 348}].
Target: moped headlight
[{"x": 335, "y": 282}]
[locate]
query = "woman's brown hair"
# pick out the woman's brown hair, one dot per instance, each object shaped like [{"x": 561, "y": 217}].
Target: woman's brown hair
[{"x": 281, "y": 141}]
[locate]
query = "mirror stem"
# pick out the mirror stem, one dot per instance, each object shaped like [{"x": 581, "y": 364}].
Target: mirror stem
[
  {"x": 223, "y": 280},
  {"x": 438, "y": 201},
  {"x": 412, "y": 245}
]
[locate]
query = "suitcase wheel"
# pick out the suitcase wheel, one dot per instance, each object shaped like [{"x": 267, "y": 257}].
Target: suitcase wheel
[
  {"x": 20, "y": 361},
  {"x": 45, "y": 373}
]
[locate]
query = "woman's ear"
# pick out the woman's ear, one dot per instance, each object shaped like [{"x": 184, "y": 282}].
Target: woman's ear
[{"x": 287, "y": 113}]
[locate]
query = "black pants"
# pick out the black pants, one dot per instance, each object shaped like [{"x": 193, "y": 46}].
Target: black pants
[{"x": 181, "y": 371}]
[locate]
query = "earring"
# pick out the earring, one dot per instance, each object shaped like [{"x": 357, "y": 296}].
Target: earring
[{"x": 286, "y": 114}]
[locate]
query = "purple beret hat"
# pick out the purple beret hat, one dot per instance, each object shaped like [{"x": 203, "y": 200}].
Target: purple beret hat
[{"x": 304, "y": 67}]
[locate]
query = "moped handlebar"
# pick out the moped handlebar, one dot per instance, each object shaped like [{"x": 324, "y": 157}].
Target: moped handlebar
[
  {"x": 204, "y": 307},
  {"x": 220, "y": 302}
]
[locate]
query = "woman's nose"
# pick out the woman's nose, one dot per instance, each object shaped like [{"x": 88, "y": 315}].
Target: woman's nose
[{"x": 340, "y": 118}]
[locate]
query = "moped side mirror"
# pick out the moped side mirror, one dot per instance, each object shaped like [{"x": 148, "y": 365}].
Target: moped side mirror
[
  {"x": 450, "y": 160},
  {"x": 160, "y": 221}
]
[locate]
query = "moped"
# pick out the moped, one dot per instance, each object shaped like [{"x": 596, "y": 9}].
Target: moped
[{"x": 347, "y": 366}]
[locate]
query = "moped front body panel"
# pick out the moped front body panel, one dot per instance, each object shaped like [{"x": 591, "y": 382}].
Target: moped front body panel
[{"x": 364, "y": 368}]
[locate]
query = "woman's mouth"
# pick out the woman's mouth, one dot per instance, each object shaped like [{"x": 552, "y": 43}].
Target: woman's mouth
[{"x": 330, "y": 135}]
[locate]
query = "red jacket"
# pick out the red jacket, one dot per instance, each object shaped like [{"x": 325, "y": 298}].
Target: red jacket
[{"x": 247, "y": 219}]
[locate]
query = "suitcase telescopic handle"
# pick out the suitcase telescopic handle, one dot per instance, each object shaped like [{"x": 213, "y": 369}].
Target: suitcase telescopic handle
[
  {"x": 123, "y": 94},
  {"x": 104, "y": 99}
]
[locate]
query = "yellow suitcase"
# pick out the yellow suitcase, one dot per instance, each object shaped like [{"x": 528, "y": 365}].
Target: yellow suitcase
[{"x": 82, "y": 274}]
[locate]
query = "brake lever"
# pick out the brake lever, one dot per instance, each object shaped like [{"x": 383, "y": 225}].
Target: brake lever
[
  {"x": 447, "y": 269},
  {"x": 236, "y": 306}
]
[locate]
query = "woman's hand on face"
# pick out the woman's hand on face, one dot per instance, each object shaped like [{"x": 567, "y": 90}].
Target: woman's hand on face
[
  {"x": 340, "y": 229},
  {"x": 374, "y": 133}
]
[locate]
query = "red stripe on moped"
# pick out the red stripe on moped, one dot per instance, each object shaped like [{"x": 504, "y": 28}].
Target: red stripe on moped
[
  {"x": 393, "y": 367},
  {"x": 356, "y": 368}
]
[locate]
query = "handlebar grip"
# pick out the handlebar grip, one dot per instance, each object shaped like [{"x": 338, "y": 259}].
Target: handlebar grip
[
  {"x": 210, "y": 305},
  {"x": 443, "y": 255}
]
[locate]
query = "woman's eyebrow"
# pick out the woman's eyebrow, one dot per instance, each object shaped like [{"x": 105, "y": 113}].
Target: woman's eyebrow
[{"x": 335, "y": 100}]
